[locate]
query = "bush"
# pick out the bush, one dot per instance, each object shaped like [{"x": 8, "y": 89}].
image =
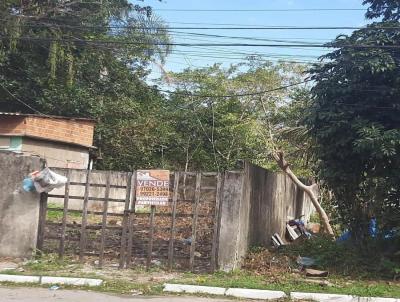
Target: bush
[{"x": 376, "y": 258}]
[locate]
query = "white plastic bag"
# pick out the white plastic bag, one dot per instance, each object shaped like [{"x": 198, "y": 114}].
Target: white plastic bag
[{"x": 46, "y": 180}]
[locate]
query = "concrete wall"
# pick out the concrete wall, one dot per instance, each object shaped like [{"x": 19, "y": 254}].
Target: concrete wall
[
  {"x": 234, "y": 223},
  {"x": 255, "y": 204},
  {"x": 19, "y": 210},
  {"x": 274, "y": 200},
  {"x": 57, "y": 154},
  {"x": 96, "y": 177}
]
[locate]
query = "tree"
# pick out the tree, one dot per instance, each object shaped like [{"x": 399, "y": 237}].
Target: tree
[
  {"x": 79, "y": 58},
  {"x": 355, "y": 122},
  {"x": 387, "y": 9}
]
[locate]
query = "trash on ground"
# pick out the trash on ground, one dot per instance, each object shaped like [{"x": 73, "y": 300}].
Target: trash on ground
[
  {"x": 54, "y": 287},
  {"x": 305, "y": 261},
  {"x": 319, "y": 282},
  {"x": 135, "y": 292},
  {"x": 292, "y": 233},
  {"x": 277, "y": 240},
  {"x": 316, "y": 273},
  {"x": 299, "y": 227}
]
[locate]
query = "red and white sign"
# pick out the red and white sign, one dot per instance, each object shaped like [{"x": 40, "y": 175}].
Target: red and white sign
[{"x": 152, "y": 187}]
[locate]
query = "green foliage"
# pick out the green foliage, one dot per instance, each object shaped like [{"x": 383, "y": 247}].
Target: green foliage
[
  {"x": 347, "y": 259},
  {"x": 387, "y": 9},
  {"x": 355, "y": 125},
  {"x": 216, "y": 132}
]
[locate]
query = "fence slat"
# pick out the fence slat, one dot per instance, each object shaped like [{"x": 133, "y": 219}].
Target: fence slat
[
  {"x": 82, "y": 244},
  {"x": 104, "y": 219},
  {"x": 194, "y": 220},
  {"x": 42, "y": 221},
  {"x": 151, "y": 233},
  {"x": 125, "y": 220},
  {"x": 65, "y": 214},
  {"x": 173, "y": 217},
  {"x": 216, "y": 223},
  {"x": 132, "y": 215}
]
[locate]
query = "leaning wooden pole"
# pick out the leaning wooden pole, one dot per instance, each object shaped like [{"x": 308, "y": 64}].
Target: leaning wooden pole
[{"x": 284, "y": 165}]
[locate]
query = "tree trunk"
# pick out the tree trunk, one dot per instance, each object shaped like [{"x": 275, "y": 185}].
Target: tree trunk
[{"x": 283, "y": 164}]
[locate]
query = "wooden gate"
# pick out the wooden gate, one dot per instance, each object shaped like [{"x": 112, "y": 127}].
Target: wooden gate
[{"x": 95, "y": 217}]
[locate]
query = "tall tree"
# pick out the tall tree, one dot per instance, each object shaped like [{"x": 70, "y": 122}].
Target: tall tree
[
  {"x": 388, "y": 10},
  {"x": 356, "y": 125},
  {"x": 81, "y": 58}
]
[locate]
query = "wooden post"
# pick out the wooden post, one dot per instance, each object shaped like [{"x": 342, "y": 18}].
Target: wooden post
[
  {"x": 42, "y": 222},
  {"x": 194, "y": 220},
  {"x": 82, "y": 244},
  {"x": 173, "y": 217},
  {"x": 104, "y": 220},
  {"x": 151, "y": 233},
  {"x": 131, "y": 221},
  {"x": 65, "y": 215},
  {"x": 124, "y": 220},
  {"x": 216, "y": 223}
]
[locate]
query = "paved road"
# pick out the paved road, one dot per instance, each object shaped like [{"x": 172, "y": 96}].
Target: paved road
[{"x": 45, "y": 295}]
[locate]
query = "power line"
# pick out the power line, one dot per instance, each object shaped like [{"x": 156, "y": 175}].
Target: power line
[
  {"x": 363, "y": 46},
  {"x": 259, "y": 10},
  {"x": 279, "y": 27},
  {"x": 235, "y": 95},
  {"x": 20, "y": 101}
]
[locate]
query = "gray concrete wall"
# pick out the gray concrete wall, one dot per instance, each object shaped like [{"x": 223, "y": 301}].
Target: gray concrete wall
[
  {"x": 96, "y": 177},
  {"x": 255, "y": 204},
  {"x": 19, "y": 210},
  {"x": 274, "y": 200},
  {"x": 57, "y": 154},
  {"x": 233, "y": 223}
]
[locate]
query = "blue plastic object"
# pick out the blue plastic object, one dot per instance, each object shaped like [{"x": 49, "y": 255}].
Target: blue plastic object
[{"x": 27, "y": 185}]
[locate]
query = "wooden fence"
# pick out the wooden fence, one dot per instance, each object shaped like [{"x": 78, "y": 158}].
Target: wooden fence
[
  {"x": 211, "y": 219},
  {"x": 95, "y": 217}
]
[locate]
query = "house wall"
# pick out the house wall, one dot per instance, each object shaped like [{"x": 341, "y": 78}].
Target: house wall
[
  {"x": 19, "y": 210},
  {"x": 57, "y": 154},
  {"x": 55, "y": 129}
]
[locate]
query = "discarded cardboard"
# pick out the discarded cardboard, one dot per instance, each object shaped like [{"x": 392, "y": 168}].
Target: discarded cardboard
[{"x": 316, "y": 273}]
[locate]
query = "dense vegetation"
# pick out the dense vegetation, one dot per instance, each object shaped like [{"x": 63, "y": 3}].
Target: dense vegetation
[{"x": 84, "y": 59}]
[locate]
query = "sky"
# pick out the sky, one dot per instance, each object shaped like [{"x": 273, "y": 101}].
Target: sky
[{"x": 201, "y": 56}]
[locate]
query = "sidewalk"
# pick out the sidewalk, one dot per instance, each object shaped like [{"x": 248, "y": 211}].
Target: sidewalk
[{"x": 20, "y": 294}]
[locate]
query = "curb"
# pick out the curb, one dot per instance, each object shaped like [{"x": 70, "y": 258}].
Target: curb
[
  {"x": 337, "y": 298},
  {"x": 255, "y": 294},
  {"x": 19, "y": 279},
  {"x": 220, "y": 291},
  {"x": 258, "y": 294},
  {"x": 50, "y": 280},
  {"x": 194, "y": 289},
  {"x": 321, "y": 297}
]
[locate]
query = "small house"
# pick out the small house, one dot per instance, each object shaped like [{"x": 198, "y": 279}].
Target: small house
[{"x": 64, "y": 142}]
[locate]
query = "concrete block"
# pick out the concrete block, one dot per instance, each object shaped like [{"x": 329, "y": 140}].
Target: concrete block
[
  {"x": 374, "y": 299},
  {"x": 255, "y": 294},
  {"x": 71, "y": 281},
  {"x": 321, "y": 297},
  {"x": 19, "y": 279},
  {"x": 194, "y": 289}
]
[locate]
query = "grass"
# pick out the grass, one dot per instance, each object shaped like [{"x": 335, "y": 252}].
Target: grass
[
  {"x": 124, "y": 282},
  {"x": 55, "y": 215},
  {"x": 288, "y": 283}
]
